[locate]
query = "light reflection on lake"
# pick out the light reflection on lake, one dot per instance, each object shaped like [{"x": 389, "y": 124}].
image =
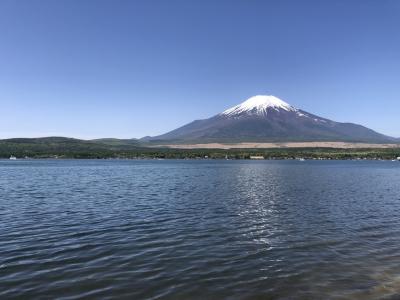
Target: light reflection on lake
[{"x": 199, "y": 229}]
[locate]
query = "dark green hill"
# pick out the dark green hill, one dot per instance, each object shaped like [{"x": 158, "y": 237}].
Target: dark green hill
[{"x": 63, "y": 147}]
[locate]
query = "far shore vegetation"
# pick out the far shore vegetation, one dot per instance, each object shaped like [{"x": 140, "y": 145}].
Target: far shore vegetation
[{"x": 79, "y": 149}]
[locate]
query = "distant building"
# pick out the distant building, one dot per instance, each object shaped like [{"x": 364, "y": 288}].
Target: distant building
[{"x": 256, "y": 157}]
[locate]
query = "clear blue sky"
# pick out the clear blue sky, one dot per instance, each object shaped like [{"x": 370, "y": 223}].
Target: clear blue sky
[{"x": 125, "y": 69}]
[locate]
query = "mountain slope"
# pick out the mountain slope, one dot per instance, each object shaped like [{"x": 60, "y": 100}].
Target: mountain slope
[{"x": 269, "y": 119}]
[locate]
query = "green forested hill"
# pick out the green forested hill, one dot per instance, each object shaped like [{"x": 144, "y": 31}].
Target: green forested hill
[{"x": 62, "y": 147}]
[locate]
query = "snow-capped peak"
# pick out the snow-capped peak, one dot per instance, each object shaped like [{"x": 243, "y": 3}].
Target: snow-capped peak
[{"x": 259, "y": 105}]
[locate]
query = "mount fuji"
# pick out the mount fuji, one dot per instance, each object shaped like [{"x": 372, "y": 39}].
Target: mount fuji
[{"x": 268, "y": 119}]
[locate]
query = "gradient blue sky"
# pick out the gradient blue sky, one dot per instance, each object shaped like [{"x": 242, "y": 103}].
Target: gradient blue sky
[{"x": 125, "y": 69}]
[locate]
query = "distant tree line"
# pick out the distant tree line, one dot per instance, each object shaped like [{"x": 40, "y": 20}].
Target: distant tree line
[{"x": 73, "y": 148}]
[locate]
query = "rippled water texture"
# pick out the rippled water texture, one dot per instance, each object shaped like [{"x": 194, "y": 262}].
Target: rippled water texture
[{"x": 199, "y": 230}]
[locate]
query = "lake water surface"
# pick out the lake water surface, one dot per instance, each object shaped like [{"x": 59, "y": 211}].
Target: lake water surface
[{"x": 199, "y": 229}]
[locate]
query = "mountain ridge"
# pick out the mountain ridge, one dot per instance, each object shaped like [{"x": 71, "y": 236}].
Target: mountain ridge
[{"x": 264, "y": 118}]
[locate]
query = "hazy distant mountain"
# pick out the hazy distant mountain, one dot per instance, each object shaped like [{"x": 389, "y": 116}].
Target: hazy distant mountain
[
  {"x": 116, "y": 142},
  {"x": 268, "y": 119}
]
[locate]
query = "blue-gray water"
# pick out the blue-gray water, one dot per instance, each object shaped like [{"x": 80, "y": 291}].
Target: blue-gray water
[{"x": 199, "y": 229}]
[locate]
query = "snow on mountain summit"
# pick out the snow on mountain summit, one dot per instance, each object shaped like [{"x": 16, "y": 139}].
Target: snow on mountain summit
[{"x": 259, "y": 105}]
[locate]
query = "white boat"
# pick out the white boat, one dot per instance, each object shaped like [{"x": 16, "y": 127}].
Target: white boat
[
  {"x": 12, "y": 157},
  {"x": 302, "y": 159}
]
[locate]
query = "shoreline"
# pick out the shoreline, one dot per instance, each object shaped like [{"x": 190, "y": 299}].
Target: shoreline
[{"x": 2, "y": 159}]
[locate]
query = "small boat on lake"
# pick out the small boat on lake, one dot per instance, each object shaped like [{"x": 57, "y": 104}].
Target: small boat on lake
[{"x": 12, "y": 157}]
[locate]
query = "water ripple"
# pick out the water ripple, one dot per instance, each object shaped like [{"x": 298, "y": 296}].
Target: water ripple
[{"x": 199, "y": 230}]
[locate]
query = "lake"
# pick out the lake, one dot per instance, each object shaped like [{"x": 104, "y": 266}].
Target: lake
[{"x": 176, "y": 229}]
